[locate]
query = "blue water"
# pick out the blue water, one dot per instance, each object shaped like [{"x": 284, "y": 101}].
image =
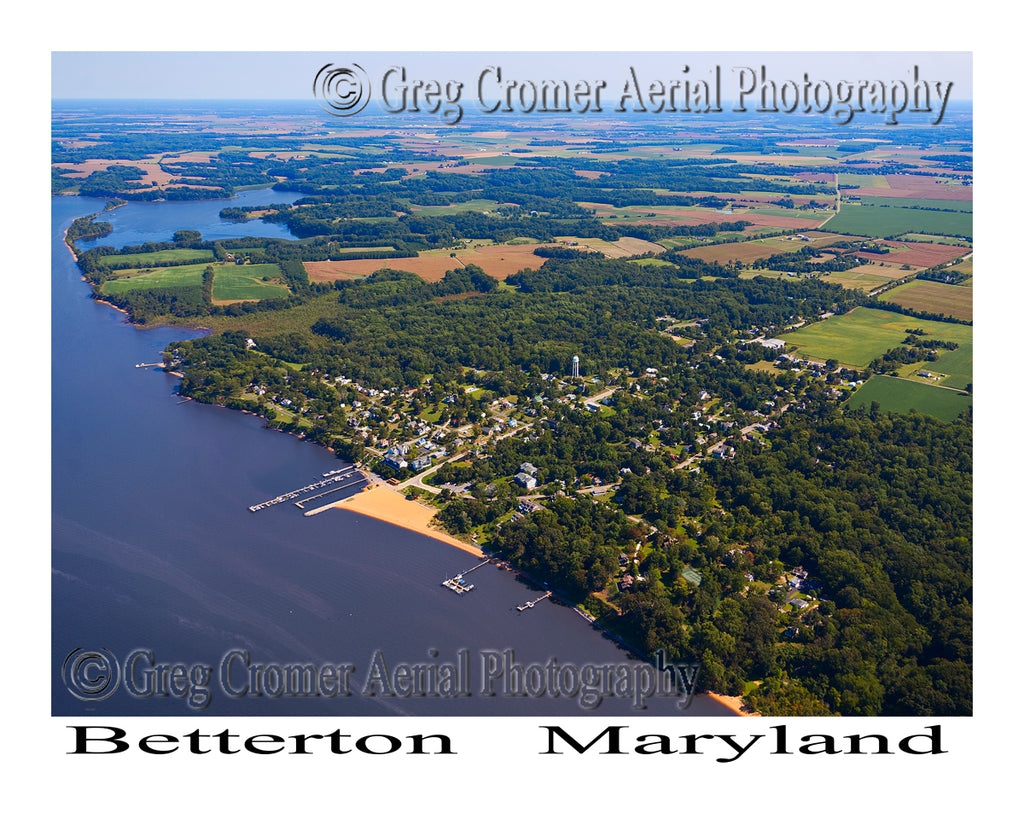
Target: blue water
[
  {"x": 153, "y": 546},
  {"x": 138, "y": 222}
]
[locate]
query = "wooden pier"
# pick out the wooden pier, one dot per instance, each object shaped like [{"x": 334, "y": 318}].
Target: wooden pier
[
  {"x": 529, "y": 604},
  {"x": 457, "y": 584}
]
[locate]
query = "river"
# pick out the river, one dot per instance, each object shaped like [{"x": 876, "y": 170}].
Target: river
[{"x": 154, "y": 550}]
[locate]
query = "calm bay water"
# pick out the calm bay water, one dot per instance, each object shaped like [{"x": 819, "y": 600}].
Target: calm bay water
[{"x": 153, "y": 545}]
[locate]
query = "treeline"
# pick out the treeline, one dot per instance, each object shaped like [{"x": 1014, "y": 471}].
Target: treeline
[
  {"x": 945, "y": 275},
  {"x": 143, "y": 306},
  {"x": 565, "y": 253},
  {"x": 85, "y": 228},
  {"x": 913, "y": 349},
  {"x": 800, "y": 261}
]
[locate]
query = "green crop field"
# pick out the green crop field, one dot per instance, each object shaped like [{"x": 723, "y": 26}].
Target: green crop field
[
  {"x": 864, "y": 277},
  {"x": 652, "y": 262},
  {"x": 177, "y": 276},
  {"x": 935, "y": 240},
  {"x": 177, "y": 254},
  {"x": 479, "y": 205},
  {"x": 863, "y": 334},
  {"x": 957, "y": 364},
  {"x": 897, "y": 395},
  {"x": 935, "y": 204},
  {"x": 235, "y": 281},
  {"x": 876, "y": 221},
  {"x": 230, "y": 281}
]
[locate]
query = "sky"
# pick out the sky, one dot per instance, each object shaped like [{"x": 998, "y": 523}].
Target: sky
[{"x": 289, "y": 75}]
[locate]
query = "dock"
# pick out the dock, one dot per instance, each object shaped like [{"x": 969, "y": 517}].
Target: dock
[
  {"x": 356, "y": 482},
  {"x": 332, "y": 479},
  {"x": 458, "y": 583},
  {"x": 529, "y": 604}
]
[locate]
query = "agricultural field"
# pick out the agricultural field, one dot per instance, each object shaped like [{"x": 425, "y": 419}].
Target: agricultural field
[
  {"x": 177, "y": 254},
  {"x": 916, "y": 254},
  {"x": 747, "y": 252},
  {"x": 183, "y": 275},
  {"x": 673, "y": 215},
  {"x": 934, "y": 297},
  {"x": 966, "y": 266},
  {"x": 872, "y": 220},
  {"x": 911, "y": 202},
  {"x": 863, "y": 334},
  {"x": 237, "y": 282},
  {"x": 865, "y": 277},
  {"x": 497, "y": 261},
  {"x": 957, "y": 365},
  {"x": 863, "y": 180},
  {"x": 907, "y": 186},
  {"x": 477, "y": 205},
  {"x": 626, "y": 246},
  {"x": 942, "y": 240},
  {"x": 898, "y": 395},
  {"x": 231, "y": 282},
  {"x": 652, "y": 262}
]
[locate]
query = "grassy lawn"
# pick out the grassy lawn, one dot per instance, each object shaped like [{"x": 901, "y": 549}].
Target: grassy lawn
[
  {"x": 864, "y": 333},
  {"x": 896, "y": 395}
]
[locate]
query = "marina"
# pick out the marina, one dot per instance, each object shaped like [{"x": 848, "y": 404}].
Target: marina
[
  {"x": 337, "y": 476},
  {"x": 356, "y": 482}
]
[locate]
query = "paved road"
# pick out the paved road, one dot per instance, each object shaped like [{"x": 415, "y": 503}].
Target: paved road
[
  {"x": 417, "y": 479},
  {"x": 595, "y": 400}
]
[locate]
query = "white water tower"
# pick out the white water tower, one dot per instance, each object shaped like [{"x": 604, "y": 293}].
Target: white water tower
[{"x": 575, "y": 366}]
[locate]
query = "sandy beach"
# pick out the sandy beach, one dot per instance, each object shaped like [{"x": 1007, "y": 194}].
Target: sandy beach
[
  {"x": 734, "y": 704},
  {"x": 383, "y": 503}
]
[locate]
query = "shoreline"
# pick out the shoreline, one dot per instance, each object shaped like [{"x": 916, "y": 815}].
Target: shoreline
[
  {"x": 734, "y": 704},
  {"x": 385, "y": 504},
  {"x": 381, "y": 502}
]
